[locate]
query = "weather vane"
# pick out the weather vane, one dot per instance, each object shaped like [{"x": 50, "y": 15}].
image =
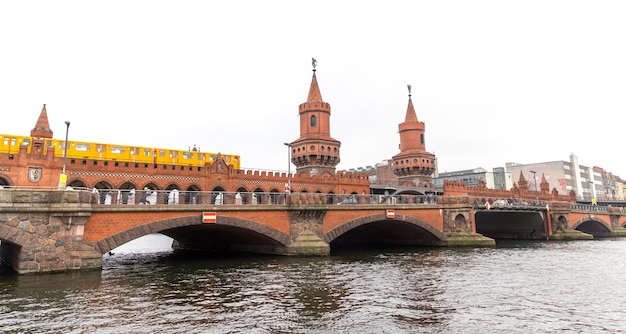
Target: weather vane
[
  {"x": 409, "y": 87},
  {"x": 314, "y": 62}
]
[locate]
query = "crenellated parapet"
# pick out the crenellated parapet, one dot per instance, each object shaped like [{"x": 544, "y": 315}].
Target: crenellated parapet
[{"x": 458, "y": 188}]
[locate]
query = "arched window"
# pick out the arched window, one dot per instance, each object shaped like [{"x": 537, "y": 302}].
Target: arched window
[
  {"x": 422, "y": 139},
  {"x": 313, "y": 121}
]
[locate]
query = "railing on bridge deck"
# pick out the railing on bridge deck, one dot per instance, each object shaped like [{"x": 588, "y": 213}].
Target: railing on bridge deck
[
  {"x": 594, "y": 208},
  {"x": 174, "y": 197},
  {"x": 508, "y": 203},
  {"x": 514, "y": 204}
]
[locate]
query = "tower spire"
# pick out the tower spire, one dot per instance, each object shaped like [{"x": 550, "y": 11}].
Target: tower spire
[
  {"x": 42, "y": 127},
  {"x": 315, "y": 152},
  {"x": 414, "y": 166}
]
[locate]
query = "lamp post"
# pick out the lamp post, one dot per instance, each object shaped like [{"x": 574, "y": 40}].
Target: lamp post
[
  {"x": 535, "y": 180},
  {"x": 288, "y": 167},
  {"x": 63, "y": 177}
]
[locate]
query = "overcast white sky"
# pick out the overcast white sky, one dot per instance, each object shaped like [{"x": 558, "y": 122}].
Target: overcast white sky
[{"x": 494, "y": 81}]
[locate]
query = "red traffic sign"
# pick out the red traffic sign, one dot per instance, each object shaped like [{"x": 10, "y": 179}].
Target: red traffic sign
[
  {"x": 209, "y": 217},
  {"x": 391, "y": 214}
]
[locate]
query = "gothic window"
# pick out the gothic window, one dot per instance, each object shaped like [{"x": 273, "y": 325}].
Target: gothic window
[
  {"x": 422, "y": 139},
  {"x": 313, "y": 121}
]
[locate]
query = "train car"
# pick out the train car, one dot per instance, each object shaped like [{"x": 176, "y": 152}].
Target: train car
[{"x": 11, "y": 144}]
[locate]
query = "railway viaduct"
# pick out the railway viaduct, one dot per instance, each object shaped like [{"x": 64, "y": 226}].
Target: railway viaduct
[{"x": 61, "y": 230}]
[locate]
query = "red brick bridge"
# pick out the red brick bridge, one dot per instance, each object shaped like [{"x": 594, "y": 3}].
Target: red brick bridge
[{"x": 59, "y": 230}]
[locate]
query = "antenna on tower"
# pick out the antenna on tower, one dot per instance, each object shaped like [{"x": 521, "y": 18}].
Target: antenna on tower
[
  {"x": 409, "y": 87},
  {"x": 314, "y": 62}
]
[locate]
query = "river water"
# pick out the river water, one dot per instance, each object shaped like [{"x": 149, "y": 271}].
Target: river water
[{"x": 516, "y": 287}]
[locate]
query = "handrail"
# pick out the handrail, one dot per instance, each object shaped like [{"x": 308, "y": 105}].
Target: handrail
[{"x": 173, "y": 197}]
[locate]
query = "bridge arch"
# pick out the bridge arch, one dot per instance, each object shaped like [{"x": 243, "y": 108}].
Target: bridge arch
[
  {"x": 14, "y": 235},
  {"x": 361, "y": 221},
  {"x": 250, "y": 230},
  {"x": 593, "y": 226},
  {"x": 5, "y": 181},
  {"x": 77, "y": 183}
]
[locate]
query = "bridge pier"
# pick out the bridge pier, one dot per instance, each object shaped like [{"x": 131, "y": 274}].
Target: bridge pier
[
  {"x": 307, "y": 232},
  {"x": 42, "y": 231},
  {"x": 308, "y": 243}
]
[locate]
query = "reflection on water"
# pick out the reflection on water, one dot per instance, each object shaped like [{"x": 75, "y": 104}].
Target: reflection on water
[{"x": 517, "y": 287}]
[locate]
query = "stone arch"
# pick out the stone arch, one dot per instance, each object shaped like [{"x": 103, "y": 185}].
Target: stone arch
[
  {"x": 171, "y": 186},
  {"x": 5, "y": 181},
  {"x": 192, "y": 195},
  {"x": 598, "y": 224},
  {"x": 258, "y": 196},
  {"x": 126, "y": 193},
  {"x": 104, "y": 192},
  {"x": 461, "y": 224},
  {"x": 352, "y": 224},
  {"x": 245, "y": 195},
  {"x": 77, "y": 184},
  {"x": 15, "y": 235},
  {"x": 106, "y": 244},
  {"x": 560, "y": 224},
  {"x": 276, "y": 196},
  {"x": 331, "y": 198},
  {"x": 218, "y": 196},
  {"x": 171, "y": 194}
]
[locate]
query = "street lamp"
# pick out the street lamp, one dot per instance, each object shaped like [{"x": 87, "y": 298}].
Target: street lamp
[
  {"x": 63, "y": 177},
  {"x": 67, "y": 130},
  {"x": 288, "y": 167}
]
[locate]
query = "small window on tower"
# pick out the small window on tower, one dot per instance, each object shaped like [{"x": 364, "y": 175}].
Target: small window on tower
[{"x": 313, "y": 121}]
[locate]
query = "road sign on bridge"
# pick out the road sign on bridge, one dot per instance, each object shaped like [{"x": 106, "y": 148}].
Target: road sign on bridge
[{"x": 209, "y": 217}]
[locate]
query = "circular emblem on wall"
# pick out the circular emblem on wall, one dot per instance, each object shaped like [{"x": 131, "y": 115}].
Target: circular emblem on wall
[{"x": 34, "y": 174}]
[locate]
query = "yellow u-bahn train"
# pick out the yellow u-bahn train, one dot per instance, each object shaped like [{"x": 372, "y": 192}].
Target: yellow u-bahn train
[{"x": 11, "y": 145}]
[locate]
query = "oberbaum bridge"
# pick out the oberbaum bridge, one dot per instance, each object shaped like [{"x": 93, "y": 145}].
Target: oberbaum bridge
[{"x": 57, "y": 220}]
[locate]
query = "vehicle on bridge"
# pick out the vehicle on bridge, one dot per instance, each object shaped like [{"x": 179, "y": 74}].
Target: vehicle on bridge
[{"x": 11, "y": 145}]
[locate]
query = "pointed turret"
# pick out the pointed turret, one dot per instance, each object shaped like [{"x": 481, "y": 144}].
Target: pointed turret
[
  {"x": 42, "y": 128},
  {"x": 522, "y": 183},
  {"x": 315, "y": 152},
  {"x": 414, "y": 166},
  {"x": 544, "y": 186}
]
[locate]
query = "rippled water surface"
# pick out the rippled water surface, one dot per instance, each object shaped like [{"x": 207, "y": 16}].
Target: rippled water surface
[{"x": 517, "y": 287}]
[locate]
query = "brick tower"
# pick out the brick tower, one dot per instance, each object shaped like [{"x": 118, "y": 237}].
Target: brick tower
[
  {"x": 41, "y": 131},
  {"x": 413, "y": 165},
  {"x": 315, "y": 152}
]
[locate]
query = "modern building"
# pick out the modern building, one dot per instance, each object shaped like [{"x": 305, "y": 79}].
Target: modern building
[
  {"x": 587, "y": 182},
  {"x": 498, "y": 179}
]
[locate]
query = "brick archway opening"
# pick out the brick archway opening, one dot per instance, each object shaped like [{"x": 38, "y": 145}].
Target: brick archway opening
[
  {"x": 379, "y": 230},
  {"x": 594, "y": 227},
  {"x": 228, "y": 234}
]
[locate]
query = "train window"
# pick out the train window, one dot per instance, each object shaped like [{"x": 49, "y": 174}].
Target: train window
[
  {"x": 134, "y": 151},
  {"x": 187, "y": 155},
  {"x": 146, "y": 152},
  {"x": 117, "y": 150},
  {"x": 26, "y": 142},
  {"x": 201, "y": 156},
  {"x": 173, "y": 154},
  {"x": 99, "y": 148},
  {"x": 82, "y": 147},
  {"x": 161, "y": 153}
]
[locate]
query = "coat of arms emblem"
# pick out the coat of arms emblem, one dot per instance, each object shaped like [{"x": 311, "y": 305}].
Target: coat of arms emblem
[{"x": 34, "y": 174}]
